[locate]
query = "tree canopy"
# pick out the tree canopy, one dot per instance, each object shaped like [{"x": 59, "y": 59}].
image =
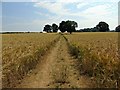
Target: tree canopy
[
  {"x": 102, "y": 27},
  {"x": 68, "y": 26},
  {"x": 54, "y": 27},
  {"x": 117, "y": 29},
  {"x": 47, "y": 28}
]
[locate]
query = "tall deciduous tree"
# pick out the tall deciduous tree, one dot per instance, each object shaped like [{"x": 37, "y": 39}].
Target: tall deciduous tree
[
  {"x": 47, "y": 28},
  {"x": 62, "y": 26},
  {"x": 103, "y": 27},
  {"x": 68, "y": 26},
  {"x": 54, "y": 27}
]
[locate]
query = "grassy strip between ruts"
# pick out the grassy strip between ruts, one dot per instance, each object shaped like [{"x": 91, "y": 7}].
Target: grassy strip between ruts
[
  {"x": 14, "y": 72},
  {"x": 106, "y": 75}
]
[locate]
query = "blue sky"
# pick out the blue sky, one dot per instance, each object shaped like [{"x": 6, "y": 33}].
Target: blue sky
[{"x": 33, "y": 15}]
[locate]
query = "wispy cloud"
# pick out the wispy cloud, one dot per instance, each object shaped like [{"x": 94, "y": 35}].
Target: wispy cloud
[
  {"x": 53, "y": 7},
  {"x": 91, "y": 14},
  {"x": 85, "y": 13},
  {"x": 97, "y": 10},
  {"x": 60, "y": 9},
  {"x": 73, "y": 1},
  {"x": 81, "y": 5}
]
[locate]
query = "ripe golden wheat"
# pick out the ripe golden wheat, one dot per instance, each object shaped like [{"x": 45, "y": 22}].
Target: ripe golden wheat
[
  {"x": 21, "y": 53},
  {"x": 98, "y": 56}
]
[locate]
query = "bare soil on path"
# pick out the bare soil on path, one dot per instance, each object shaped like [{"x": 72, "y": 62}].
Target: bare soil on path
[{"x": 58, "y": 70}]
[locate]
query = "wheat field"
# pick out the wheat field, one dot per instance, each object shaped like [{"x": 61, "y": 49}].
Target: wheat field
[
  {"x": 21, "y": 53},
  {"x": 98, "y": 56}
]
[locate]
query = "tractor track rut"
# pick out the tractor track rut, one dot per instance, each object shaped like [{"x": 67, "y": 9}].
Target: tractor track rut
[{"x": 58, "y": 70}]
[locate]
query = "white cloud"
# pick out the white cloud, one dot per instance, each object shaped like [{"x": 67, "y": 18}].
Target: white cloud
[
  {"x": 97, "y": 10},
  {"x": 53, "y": 7},
  {"x": 92, "y": 15},
  {"x": 65, "y": 1},
  {"x": 59, "y": 9},
  {"x": 80, "y": 5},
  {"x": 99, "y": 13},
  {"x": 72, "y": 1}
]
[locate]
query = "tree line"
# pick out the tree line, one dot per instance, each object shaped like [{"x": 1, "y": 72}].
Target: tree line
[{"x": 70, "y": 26}]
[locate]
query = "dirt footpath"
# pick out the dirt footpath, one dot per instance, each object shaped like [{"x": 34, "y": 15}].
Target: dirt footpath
[{"x": 58, "y": 70}]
